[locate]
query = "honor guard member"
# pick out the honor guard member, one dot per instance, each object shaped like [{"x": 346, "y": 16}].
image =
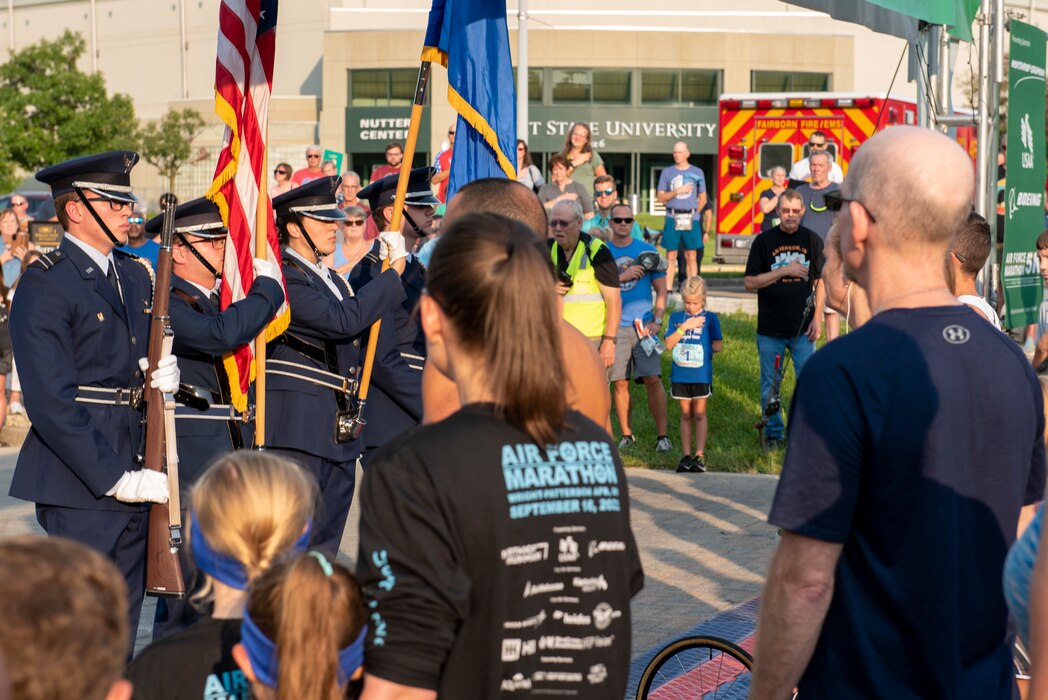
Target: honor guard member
[
  {"x": 80, "y": 331},
  {"x": 392, "y": 407},
  {"x": 311, "y": 373},
  {"x": 417, "y": 223},
  {"x": 204, "y": 334}
]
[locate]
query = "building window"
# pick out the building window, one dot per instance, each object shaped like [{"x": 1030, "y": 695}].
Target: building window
[
  {"x": 535, "y": 85},
  {"x": 679, "y": 87},
  {"x": 382, "y": 88},
  {"x": 611, "y": 86},
  {"x": 788, "y": 81},
  {"x": 584, "y": 86},
  {"x": 572, "y": 86}
]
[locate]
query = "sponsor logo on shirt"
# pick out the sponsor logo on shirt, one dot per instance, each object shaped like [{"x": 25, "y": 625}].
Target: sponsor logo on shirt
[
  {"x": 517, "y": 682},
  {"x": 570, "y": 618},
  {"x": 533, "y": 589},
  {"x": 596, "y": 547},
  {"x": 568, "y": 550},
  {"x": 603, "y": 615},
  {"x": 533, "y": 621},
  {"x": 597, "y": 674},
  {"x": 589, "y": 584},
  {"x": 525, "y": 553}
]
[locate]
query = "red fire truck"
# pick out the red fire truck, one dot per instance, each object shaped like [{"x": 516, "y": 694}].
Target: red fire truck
[{"x": 761, "y": 131}]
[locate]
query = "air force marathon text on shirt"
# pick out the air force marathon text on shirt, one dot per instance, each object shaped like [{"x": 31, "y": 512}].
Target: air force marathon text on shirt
[
  {"x": 571, "y": 613},
  {"x": 572, "y": 477},
  {"x": 525, "y": 572}
]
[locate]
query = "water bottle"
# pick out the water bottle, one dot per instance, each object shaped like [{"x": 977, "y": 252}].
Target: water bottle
[{"x": 648, "y": 343}]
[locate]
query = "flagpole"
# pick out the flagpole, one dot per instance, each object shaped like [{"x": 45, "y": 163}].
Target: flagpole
[
  {"x": 261, "y": 247},
  {"x": 395, "y": 220}
]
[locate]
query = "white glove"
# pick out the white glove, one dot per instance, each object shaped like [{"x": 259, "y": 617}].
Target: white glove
[
  {"x": 166, "y": 376},
  {"x": 392, "y": 246},
  {"x": 140, "y": 486},
  {"x": 265, "y": 268}
]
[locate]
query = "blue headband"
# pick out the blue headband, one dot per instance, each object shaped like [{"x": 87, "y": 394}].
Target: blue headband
[
  {"x": 263, "y": 653},
  {"x": 223, "y": 567}
]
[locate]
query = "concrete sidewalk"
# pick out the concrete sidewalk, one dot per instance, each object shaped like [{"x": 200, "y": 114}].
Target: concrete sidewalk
[{"x": 703, "y": 538}]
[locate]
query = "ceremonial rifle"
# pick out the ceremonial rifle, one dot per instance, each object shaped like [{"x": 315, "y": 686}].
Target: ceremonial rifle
[{"x": 163, "y": 572}]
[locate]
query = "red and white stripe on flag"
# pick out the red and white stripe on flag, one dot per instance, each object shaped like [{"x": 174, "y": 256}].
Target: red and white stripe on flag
[{"x": 243, "y": 85}]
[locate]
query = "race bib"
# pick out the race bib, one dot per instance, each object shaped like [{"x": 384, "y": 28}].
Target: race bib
[
  {"x": 688, "y": 355},
  {"x": 682, "y": 221}
]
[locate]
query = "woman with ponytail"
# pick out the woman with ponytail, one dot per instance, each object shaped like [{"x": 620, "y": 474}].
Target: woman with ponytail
[
  {"x": 247, "y": 510},
  {"x": 507, "y": 522},
  {"x": 302, "y": 637}
]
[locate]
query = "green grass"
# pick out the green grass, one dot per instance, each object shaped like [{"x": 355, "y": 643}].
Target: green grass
[
  {"x": 733, "y": 444},
  {"x": 650, "y": 220}
]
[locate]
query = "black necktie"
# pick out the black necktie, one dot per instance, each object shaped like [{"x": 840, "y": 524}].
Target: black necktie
[
  {"x": 111, "y": 276},
  {"x": 216, "y": 300}
]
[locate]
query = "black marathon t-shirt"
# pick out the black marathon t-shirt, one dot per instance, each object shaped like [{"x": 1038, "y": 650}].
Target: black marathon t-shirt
[
  {"x": 780, "y": 306},
  {"x": 605, "y": 269},
  {"x": 193, "y": 664},
  {"x": 914, "y": 441},
  {"x": 493, "y": 567}
]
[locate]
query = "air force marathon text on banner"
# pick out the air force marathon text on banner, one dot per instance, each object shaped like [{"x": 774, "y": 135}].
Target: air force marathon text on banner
[{"x": 1024, "y": 184}]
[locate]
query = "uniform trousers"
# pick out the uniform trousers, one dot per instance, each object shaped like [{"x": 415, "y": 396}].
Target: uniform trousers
[
  {"x": 336, "y": 481},
  {"x": 119, "y": 535}
]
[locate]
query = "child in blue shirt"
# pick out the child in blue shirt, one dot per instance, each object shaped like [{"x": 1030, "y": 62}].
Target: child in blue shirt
[{"x": 693, "y": 336}]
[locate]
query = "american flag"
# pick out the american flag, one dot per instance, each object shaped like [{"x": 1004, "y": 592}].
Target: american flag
[{"x": 243, "y": 84}]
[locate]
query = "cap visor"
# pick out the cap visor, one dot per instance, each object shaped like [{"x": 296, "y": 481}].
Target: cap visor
[
  {"x": 422, "y": 199},
  {"x": 332, "y": 214},
  {"x": 126, "y": 197}
]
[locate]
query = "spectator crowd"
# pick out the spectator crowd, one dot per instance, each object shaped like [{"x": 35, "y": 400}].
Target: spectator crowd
[{"x": 512, "y": 321}]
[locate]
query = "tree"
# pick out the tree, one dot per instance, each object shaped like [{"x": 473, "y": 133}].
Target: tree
[
  {"x": 51, "y": 111},
  {"x": 167, "y": 144}
]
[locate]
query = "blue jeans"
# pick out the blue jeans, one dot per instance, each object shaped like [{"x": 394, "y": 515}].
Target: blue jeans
[{"x": 767, "y": 348}]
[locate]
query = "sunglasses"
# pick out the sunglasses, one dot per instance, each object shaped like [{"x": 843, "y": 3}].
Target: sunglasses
[
  {"x": 622, "y": 219},
  {"x": 353, "y": 222},
  {"x": 313, "y": 155},
  {"x": 835, "y": 200},
  {"x": 606, "y": 193},
  {"x": 278, "y": 171},
  {"x": 817, "y": 145},
  {"x": 451, "y": 133},
  {"x": 135, "y": 220},
  {"x": 560, "y": 223},
  {"x": 19, "y": 204}
]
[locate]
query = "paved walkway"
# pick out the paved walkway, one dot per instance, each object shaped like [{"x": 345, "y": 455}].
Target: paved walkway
[{"x": 703, "y": 538}]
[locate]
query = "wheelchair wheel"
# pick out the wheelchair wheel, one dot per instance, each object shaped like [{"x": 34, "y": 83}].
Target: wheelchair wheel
[{"x": 697, "y": 667}]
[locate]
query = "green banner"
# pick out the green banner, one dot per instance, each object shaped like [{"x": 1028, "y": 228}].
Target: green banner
[
  {"x": 335, "y": 157},
  {"x": 1024, "y": 182},
  {"x": 957, "y": 14}
]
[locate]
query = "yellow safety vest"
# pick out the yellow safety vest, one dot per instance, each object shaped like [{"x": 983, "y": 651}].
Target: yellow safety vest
[{"x": 584, "y": 305}]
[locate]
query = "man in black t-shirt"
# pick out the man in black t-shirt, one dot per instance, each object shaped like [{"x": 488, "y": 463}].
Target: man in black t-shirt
[
  {"x": 784, "y": 265},
  {"x": 915, "y": 442}
]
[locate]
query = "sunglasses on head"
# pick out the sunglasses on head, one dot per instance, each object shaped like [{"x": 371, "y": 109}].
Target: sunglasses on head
[
  {"x": 622, "y": 219},
  {"x": 606, "y": 193}
]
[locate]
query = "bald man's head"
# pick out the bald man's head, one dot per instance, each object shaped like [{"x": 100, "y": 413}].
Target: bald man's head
[
  {"x": 917, "y": 183},
  {"x": 497, "y": 195}
]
